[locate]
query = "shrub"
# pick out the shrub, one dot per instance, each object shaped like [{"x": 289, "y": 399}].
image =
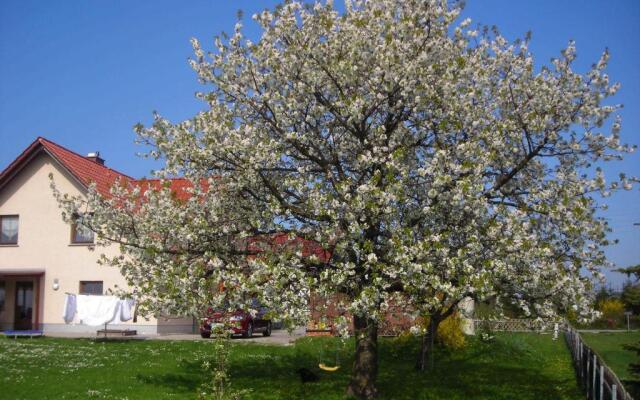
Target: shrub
[
  {"x": 612, "y": 310},
  {"x": 631, "y": 297},
  {"x": 217, "y": 368},
  {"x": 404, "y": 342},
  {"x": 450, "y": 333},
  {"x": 634, "y": 367},
  {"x": 485, "y": 333},
  {"x": 572, "y": 316}
]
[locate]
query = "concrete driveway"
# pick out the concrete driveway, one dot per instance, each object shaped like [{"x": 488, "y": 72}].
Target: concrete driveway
[{"x": 278, "y": 337}]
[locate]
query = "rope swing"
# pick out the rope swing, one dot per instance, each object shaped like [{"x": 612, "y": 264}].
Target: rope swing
[{"x": 336, "y": 366}]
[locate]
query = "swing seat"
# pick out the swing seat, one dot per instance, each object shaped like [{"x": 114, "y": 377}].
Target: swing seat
[{"x": 327, "y": 368}]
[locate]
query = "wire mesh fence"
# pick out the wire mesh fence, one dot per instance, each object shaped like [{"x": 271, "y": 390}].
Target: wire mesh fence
[{"x": 512, "y": 325}]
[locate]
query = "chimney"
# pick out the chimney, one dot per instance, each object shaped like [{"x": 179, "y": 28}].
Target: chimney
[{"x": 95, "y": 157}]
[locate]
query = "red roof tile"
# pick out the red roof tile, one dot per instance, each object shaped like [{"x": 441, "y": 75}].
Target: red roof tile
[
  {"x": 178, "y": 186},
  {"x": 84, "y": 169},
  {"x": 282, "y": 240},
  {"x": 81, "y": 168}
]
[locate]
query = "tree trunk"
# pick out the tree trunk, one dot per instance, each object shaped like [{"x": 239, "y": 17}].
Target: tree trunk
[
  {"x": 426, "y": 349},
  {"x": 365, "y": 365}
]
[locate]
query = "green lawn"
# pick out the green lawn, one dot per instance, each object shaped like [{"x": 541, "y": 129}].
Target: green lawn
[
  {"x": 610, "y": 347},
  {"x": 523, "y": 366}
]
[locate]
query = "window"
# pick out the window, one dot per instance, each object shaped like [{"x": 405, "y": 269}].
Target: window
[
  {"x": 91, "y": 287},
  {"x": 79, "y": 232},
  {"x": 8, "y": 229}
]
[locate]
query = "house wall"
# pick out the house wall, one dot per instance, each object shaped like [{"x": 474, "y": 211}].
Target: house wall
[
  {"x": 44, "y": 244},
  {"x": 176, "y": 325},
  {"x": 395, "y": 321},
  {"x": 8, "y": 308}
]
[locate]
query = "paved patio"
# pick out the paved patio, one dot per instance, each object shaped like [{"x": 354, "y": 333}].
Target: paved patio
[{"x": 278, "y": 337}]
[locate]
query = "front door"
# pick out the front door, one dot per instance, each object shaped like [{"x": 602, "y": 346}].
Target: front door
[{"x": 24, "y": 306}]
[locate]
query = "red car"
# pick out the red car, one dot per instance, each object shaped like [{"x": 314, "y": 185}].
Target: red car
[{"x": 240, "y": 322}]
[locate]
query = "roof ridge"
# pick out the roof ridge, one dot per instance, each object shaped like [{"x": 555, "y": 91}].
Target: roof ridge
[
  {"x": 179, "y": 178},
  {"x": 17, "y": 160},
  {"x": 83, "y": 169},
  {"x": 42, "y": 139}
]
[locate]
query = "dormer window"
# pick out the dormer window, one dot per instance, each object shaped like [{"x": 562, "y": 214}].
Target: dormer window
[
  {"x": 80, "y": 233},
  {"x": 8, "y": 229}
]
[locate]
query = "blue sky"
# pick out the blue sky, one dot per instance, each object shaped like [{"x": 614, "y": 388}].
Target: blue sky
[{"x": 82, "y": 73}]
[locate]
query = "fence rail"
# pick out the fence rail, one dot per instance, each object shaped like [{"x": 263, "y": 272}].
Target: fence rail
[
  {"x": 594, "y": 376},
  {"x": 513, "y": 325}
]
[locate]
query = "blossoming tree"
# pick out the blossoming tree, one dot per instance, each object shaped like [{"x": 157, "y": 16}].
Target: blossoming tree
[{"x": 433, "y": 161}]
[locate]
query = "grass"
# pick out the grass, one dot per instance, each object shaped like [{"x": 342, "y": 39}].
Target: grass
[
  {"x": 610, "y": 346},
  {"x": 523, "y": 366}
]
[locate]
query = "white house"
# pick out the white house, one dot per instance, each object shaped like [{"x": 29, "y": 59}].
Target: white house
[{"x": 42, "y": 257}]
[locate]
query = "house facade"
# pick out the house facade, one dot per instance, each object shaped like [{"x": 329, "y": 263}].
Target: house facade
[{"x": 41, "y": 257}]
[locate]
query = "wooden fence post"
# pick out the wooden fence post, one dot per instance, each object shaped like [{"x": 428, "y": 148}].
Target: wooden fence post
[
  {"x": 593, "y": 379},
  {"x": 592, "y": 372},
  {"x": 587, "y": 372},
  {"x": 582, "y": 364},
  {"x": 601, "y": 382},
  {"x": 614, "y": 393},
  {"x": 577, "y": 347}
]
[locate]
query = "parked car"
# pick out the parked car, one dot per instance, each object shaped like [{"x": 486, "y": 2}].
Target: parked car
[{"x": 240, "y": 322}]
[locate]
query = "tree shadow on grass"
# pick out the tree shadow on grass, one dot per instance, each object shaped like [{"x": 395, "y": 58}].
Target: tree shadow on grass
[
  {"x": 187, "y": 380},
  {"x": 278, "y": 377},
  {"x": 504, "y": 371},
  {"x": 270, "y": 373},
  {"x": 477, "y": 372},
  {"x": 472, "y": 381},
  {"x": 176, "y": 382}
]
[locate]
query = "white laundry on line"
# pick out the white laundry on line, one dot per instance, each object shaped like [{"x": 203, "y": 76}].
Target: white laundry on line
[
  {"x": 126, "y": 309},
  {"x": 69, "y": 309},
  {"x": 97, "y": 310}
]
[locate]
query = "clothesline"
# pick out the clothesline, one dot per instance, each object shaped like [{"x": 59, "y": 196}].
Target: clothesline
[{"x": 97, "y": 310}]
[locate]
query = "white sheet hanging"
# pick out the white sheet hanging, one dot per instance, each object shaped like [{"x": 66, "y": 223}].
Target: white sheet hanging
[
  {"x": 126, "y": 309},
  {"x": 96, "y": 310},
  {"x": 69, "y": 309}
]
